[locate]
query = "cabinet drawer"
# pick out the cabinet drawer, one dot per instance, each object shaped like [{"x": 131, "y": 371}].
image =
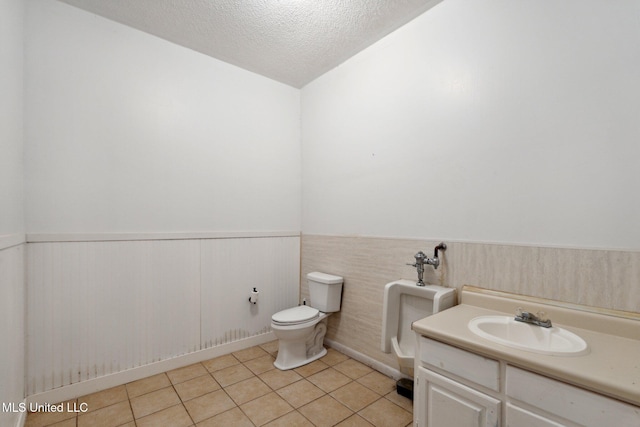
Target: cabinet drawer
[
  {"x": 520, "y": 417},
  {"x": 472, "y": 367},
  {"x": 577, "y": 405}
]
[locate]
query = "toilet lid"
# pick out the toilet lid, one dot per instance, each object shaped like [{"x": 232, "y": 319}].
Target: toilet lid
[{"x": 299, "y": 314}]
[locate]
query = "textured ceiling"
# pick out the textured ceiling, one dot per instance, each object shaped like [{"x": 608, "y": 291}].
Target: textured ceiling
[{"x": 292, "y": 41}]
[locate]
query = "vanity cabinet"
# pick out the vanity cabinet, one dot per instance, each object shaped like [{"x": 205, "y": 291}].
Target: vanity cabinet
[{"x": 457, "y": 388}]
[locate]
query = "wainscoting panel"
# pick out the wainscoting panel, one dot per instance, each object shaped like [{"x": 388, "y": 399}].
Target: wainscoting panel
[
  {"x": 97, "y": 308},
  {"x": 12, "y": 330},
  {"x": 231, "y": 268}
]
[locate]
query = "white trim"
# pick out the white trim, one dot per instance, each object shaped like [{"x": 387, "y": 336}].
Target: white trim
[
  {"x": 475, "y": 242},
  {"x": 9, "y": 240},
  {"x": 22, "y": 419},
  {"x": 83, "y": 388},
  {"x": 107, "y": 237},
  {"x": 360, "y": 357}
]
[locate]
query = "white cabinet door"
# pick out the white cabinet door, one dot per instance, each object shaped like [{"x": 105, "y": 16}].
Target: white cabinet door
[{"x": 445, "y": 403}]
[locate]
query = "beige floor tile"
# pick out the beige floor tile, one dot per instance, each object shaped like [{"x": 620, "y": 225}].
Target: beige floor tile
[
  {"x": 250, "y": 353},
  {"x": 40, "y": 419},
  {"x": 292, "y": 419},
  {"x": 232, "y": 418},
  {"x": 355, "y": 396},
  {"x": 300, "y": 393},
  {"x": 147, "y": 385},
  {"x": 377, "y": 382},
  {"x": 352, "y": 368},
  {"x": 355, "y": 421},
  {"x": 209, "y": 405},
  {"x": 329, "y": 380},
  {"x": 188, "y": 372},
  {"x": 325, "y": 412},
  {"x": 247, "y": 390},
  {"x": 260, "y": 364},
  {"x": 383, "y": 413},
  {"x": 221, "y": 362},
  {"x": 111, "y": 416},
  {"x": 333, "y": 356},
  {"x": 232, "y": 375},
  {"x": 196, "y": 387},
  {"x": 277, "y": 379},
  {"x": 71, "y": 422},
  {"x": 401, "y": 401},
  {"x": 311, "y": 368},
  {"x": 266, "y": 408},
  {"x": 271, "y": 347},
  {"x": 153, "y": 402},
  {"x": 174, "y": 416},
  {"x": 104, "y": 398}
]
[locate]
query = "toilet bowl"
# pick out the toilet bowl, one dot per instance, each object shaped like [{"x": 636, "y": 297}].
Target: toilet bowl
[{"x": 300, "y": 330}]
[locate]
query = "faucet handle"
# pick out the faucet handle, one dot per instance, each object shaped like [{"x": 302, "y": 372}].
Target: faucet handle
[
  {"x": 542, "y": 316},
  {"x": 412, "y": 265},
  {"x": 519, "y": 312}
]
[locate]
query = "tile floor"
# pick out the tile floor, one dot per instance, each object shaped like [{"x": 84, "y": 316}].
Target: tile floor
[{"x": 244, "y": 389}]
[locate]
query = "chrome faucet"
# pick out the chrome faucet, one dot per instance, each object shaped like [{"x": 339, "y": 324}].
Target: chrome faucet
[
  {"x": 538, "y": 319},
  {"x": 422, "y": 259}
]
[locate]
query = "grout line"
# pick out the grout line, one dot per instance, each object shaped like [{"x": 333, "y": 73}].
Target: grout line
[{"x": 133, "y": 415}]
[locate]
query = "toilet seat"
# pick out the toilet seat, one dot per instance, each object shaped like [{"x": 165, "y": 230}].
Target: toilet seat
[{"x": 295, "y": 315}]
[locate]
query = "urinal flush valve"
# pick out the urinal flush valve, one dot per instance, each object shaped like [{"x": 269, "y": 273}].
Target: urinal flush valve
[{"x": 422, "y": 259}]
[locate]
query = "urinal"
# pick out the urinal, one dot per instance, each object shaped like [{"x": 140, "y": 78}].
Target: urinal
[{"x": 404, "y": 303}]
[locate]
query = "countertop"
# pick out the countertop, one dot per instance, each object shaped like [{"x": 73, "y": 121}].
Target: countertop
[{"x": 611, "y": 368}]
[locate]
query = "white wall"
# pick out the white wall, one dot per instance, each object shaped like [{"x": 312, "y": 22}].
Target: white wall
[
  {"x": 129, "y": 133},
  {"x": 131, "y": 138},
  {"x": 11, "y": 117},
  {"x": 12, "y": 285},
  {"x": 483, "y": 120}
]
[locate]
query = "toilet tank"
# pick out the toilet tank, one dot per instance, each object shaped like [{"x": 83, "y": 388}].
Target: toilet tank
[{"x": 325, "y": 291}]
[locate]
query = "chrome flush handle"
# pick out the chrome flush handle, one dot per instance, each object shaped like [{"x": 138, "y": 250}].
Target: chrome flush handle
[{"x": 422, "y": 259}]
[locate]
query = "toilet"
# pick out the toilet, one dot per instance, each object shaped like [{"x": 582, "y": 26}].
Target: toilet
[{"x": 300, "y": 330}]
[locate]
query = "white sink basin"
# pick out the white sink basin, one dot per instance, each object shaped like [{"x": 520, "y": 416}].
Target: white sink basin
[{"x": 550, "y": 341}]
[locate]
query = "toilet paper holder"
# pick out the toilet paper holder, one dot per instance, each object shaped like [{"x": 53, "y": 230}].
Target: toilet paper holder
[{"x": 253, "y": 299}]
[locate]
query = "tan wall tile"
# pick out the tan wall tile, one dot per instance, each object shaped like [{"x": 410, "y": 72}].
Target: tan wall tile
[{"x": 600, "y": 278}]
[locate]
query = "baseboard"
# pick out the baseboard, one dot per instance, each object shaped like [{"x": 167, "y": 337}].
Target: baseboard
[
  {"x": 360, "y": 357},
  {"x": 83, "y": 388},
  {"x": 22, "y": 419}
]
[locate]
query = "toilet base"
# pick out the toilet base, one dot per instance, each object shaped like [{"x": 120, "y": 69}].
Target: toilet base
[
  {"x": 298, "y": 350},
  {"x": 285, "y": 365}
]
